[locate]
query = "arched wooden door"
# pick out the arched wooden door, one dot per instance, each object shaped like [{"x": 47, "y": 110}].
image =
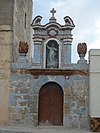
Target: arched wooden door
[{"x": 50, "y": 104}]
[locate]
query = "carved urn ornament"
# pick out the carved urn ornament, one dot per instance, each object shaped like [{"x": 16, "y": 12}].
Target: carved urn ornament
[
  {"x": 82, "y": 49},
  {"x": 23, "y": 47}
]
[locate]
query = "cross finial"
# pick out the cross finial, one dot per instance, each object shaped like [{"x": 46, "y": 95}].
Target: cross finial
[{"x": 53, "y": 11}]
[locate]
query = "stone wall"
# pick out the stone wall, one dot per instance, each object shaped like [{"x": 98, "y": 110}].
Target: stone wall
[
  {"x": 5, "y": 60},
  {"x": 20, "y": 101},
  {"x": 6, "y": 17},
  {"x": 12, "y": 31},
  {"x": 94, "y": 89},
  {"x": 22, "y": 25},
  {"x": 6, "y": 12},
  {"x": 24, "y": 98}
]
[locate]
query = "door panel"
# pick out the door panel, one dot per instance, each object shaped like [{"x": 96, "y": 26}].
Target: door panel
[
  {"x": 57, "y": 107},
  {"x": 51, "y": 104},
  {"x": 44, "y": 105}
]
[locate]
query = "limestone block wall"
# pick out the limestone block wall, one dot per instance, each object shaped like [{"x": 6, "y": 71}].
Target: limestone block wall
[
  {"x": 5, "y": 60},
  {"x": 20, "y": 100},
  {"x": 24, "y": 97},
  {"x": 6, "y": 12},
  {"x": 14, "y": 27},
  {"x": 22, "y": 26},
  {"x": 94, "y": 89},
  {"x": 6, "y": 24},
  {"x": 76, "y": 102},
  {"x": 18, "y": 15}
]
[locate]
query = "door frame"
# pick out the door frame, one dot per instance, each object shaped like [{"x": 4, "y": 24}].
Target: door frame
[{"x": 62, "y": 100}]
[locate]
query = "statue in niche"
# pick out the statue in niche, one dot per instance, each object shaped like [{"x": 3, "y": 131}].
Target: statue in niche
[{"x": 52, "y": 54}]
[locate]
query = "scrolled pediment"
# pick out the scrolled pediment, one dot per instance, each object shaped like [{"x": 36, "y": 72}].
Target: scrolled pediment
[{"x": 36, "y": 21}]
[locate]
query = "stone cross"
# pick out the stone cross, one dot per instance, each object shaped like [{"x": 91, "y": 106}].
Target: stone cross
[{"x": 53, "y": 11}]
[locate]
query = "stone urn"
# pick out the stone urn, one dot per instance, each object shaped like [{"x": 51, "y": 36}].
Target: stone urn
[
  {"x": 23, "y": 48},
  {"x": 82, "y": 49}
]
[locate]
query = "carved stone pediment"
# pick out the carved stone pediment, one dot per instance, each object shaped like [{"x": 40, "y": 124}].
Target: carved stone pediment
[
  {"x": 69, "y": 22},
  {"x": 36, "y": 20}
]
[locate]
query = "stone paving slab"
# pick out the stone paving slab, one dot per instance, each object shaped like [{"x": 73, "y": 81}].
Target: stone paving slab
[{"x": 7, "y": 129}]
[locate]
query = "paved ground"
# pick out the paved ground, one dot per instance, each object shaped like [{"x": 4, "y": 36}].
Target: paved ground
[{"x": 8, "y": 129}]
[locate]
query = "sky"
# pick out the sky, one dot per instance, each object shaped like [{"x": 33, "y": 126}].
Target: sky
[{"x": 85, "y": 15}]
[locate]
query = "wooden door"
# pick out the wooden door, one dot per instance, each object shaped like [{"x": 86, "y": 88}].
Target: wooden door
[{"x": 51, "y": 104}]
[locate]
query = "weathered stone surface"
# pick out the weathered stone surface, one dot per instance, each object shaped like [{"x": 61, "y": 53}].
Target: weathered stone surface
[
  {"x": 9, "y": 39},
  {"x": 4, "y": 95},
  {"x": 6, "y": 12},
  {"x": 5, "y": 38},
  {"x": 22, "y": 21},
  {"x": 4, "y": 101},
  {"x": 75, "y": 97},
  {"x": 5, "y": 28}
]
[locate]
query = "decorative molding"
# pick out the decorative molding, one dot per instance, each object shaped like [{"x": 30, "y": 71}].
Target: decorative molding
[
  {"x": 50, "y": 72},
  {"x": 51, "y": 78},
  {"x": 36, "y": 21},
  {"x": 52, "y": 32},
  {"x": 69, "y": 21}
]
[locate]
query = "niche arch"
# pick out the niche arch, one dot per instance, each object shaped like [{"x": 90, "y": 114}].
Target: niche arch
[{"x": 55, "y": 62}]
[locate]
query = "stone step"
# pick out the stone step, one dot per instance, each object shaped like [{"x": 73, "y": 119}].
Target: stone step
[
  {"x": 41, "y": 130},
  {"x": 5, "y": 131}
]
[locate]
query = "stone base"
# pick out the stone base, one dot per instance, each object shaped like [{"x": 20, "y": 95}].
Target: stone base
[
  {"x": 95, "y": 124},
  {"x": 82, "y": 61}
]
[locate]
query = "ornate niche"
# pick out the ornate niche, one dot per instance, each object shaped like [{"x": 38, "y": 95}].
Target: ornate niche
[{"x": 52, "y": 54}]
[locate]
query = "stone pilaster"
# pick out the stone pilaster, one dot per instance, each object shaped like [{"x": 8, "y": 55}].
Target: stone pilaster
[
  {"x": 67, "y": 50},
  {"x": 37, "y": 53}
]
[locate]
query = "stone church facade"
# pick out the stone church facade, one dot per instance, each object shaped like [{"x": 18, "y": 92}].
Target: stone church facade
[{"x": 45, "y": 88}]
